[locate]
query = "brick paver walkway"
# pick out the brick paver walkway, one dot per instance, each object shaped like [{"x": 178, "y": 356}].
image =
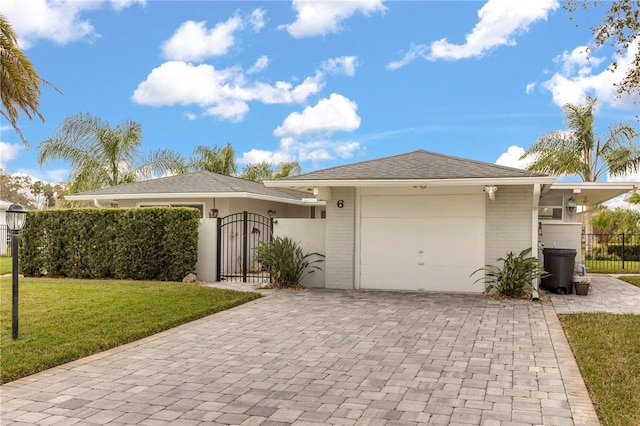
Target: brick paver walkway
[{"x": 326, "y": 357}]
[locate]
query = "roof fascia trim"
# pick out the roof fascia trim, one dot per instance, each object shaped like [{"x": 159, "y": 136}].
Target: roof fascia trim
[
  {"x": 546, "y": 180},
  {"x": 182, "y": 195}
]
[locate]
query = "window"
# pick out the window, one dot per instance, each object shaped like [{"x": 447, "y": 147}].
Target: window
[{"x": 551, "y": 207}]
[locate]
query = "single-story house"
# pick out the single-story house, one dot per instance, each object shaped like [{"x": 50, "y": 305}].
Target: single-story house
[
  {"x": 426, "y": 221},
  {"x": 415, "y": 221}
]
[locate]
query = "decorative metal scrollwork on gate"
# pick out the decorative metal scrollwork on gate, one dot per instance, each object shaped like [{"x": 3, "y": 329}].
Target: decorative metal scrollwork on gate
[{"x": 238, "y": 236}]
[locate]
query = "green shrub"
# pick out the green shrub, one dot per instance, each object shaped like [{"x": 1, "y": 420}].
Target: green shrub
[
  {"x": 515, "y": 278},
  {"x": 149, "y": 243},
  {"x": 285, "y": 261}
]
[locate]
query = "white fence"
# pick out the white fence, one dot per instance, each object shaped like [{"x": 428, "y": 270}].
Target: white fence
[{"x": 308, "y": 232}]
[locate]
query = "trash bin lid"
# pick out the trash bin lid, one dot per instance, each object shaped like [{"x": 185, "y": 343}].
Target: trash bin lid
[{"x": 559, "y": 252}]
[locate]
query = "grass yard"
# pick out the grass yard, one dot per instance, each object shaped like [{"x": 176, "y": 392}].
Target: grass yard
[
  {"x": 607, "y": 349},
  {"x": 5, "y": 265},
  {"x": 612, "y": 266},
  {"x": 631, "y": 280},
  {"x": 65, "y": 319}
]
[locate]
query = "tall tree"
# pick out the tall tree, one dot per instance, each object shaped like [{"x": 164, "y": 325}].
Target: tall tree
[
  {"x": 579, "y": 151},
  {"x": 102, "y": 156},
  {"x": 215, "y": 160},
  {"x": 19, "y": 81},
  {"x": 620, "y": 27},
  {"x": 15, "y": 188},
  {"x": 264, "y": 170},
  {"x": 287, "y": 168},
  {"x": 257, "y": 172}
]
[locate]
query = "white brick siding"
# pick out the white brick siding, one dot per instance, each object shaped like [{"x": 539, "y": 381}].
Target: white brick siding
[
  {"x": 508, "y": 222},
  {"x": 340, "y": 239}
]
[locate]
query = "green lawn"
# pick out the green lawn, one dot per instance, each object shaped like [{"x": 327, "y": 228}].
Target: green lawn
[
  {"x": 631, "y": 280},
  {"x": 607, "y": 349},
  {"x": 65, "y": 319},
  {"x": 5, "y": 265},
  {"x": 612, "y": 266}
]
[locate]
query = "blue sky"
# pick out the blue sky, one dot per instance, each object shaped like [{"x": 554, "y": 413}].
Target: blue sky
[{"x": 323, "y": 84}]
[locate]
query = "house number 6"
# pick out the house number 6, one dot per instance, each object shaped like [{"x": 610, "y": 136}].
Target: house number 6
[{"x": 340, "y": 204}]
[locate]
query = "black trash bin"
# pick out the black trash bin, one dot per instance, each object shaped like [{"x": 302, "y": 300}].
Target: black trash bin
[{"x": 560, "y": 264}]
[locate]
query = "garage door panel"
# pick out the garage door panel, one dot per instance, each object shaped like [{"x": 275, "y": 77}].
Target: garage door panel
[
  {"x": 431, "y": 278},
  {"x": 431, "y": 253},
  {"x": 423, "y": 206}
]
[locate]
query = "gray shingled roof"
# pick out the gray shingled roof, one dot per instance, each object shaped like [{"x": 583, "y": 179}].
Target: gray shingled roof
[
  {"x": 203, "y": 182},
  {"x": 419, "y": 164}
]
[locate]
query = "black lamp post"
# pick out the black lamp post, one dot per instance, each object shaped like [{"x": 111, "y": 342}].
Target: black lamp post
[{"x": 16, "y": 217}]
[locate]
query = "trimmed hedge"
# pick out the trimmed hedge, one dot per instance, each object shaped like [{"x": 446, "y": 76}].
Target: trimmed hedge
[
  {"x": 151, "y": 243},
  {"x": 631, "y": 251}
]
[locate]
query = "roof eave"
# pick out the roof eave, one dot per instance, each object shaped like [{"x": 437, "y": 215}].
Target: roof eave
[
  {"x": 196, "y": 195},
  {"x": 312, "y": 183}
]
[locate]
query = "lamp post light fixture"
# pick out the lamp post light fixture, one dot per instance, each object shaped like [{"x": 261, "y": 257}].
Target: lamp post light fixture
[
  {"x": 571, "y": 206},
  {"x": 16, "y": 218}
]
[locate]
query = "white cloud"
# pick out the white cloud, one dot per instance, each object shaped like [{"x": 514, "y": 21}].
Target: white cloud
[
  {"x": 577, "y": 78},
  {"x": 258, "y": 155},
  {"x": 415, "y": 51},
  {"x": 59, "y": 21},
  {"x": 260, "y": 65},
  {"x": 294, "y": 150},
  {"x": 530, "y": 88},
  {"x": 317, "y": 18},
  {"x": 337, "y": 113},
  {"x": 256, "y": 19},
  {"x": 499, "y": 21},
  {"x": 511, "y": 158},
  {"x": 628, "y": 177},
  {"x": 342, "y": 65},
  {"x": 192, "y": 41},
  {"x": 9, "y": 152},
  {"x": 231, "y": 109},
  {"x": 123, "y": 4},
  {"x": 226, "y": 93},
  {"x": 190, "y": 116}
]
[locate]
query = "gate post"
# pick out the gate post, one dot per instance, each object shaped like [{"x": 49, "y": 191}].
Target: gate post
[
  {"x": 245, "y": 245},
  {"x": 622, "y": 250},
  {"x": 218, "y": 249}
]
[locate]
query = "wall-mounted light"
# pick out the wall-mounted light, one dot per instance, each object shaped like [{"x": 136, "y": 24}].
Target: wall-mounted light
[
  {"x": 213, "y": 213},
  {"x": 271, "y": 213},
  {"x": 491, "y": 191},
  {"x": 571, "y": 206}
]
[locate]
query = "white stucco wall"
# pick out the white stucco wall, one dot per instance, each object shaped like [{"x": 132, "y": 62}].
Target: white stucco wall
[
  {"x": 206, "y": 264},
  {"x": 341, "y": 239},
  {"x": 563, "y": 235},
  {"x": 310, "y": 233},
  {"x": 508, "y": 224}
]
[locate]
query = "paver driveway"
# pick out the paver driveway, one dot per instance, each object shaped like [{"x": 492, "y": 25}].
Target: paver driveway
[{"x": 326, "y": 357}]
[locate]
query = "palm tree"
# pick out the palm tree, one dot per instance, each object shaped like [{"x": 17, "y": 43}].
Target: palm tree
[
  {"x": 579, "y": 151},
  {"x": 103, "y": 156},
  {"x": 258, "y": 172},
  {"x": 19, "y": 81},
  {"x": 287, "y": 168},
  {"x": 264, "y": 170},
  {"x": 215, "y": 160}
]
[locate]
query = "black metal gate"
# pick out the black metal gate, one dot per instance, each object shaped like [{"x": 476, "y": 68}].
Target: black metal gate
[{"x": 238, "y": 235}]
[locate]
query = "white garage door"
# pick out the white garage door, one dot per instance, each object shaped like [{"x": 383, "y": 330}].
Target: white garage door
[{"x": 427, "y": 242}]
